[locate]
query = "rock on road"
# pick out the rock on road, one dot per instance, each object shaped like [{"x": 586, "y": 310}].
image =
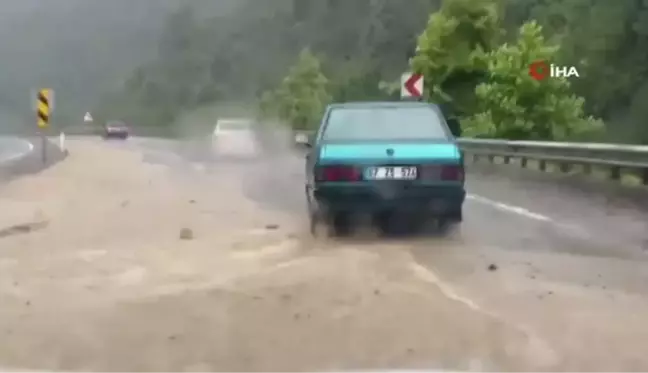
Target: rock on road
[{"x": 95, "y": 276}]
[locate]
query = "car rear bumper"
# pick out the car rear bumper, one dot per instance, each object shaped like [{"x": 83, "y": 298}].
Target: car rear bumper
[{"x": 431, "y": 199}]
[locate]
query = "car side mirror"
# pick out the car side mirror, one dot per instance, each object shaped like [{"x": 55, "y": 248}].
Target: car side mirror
[{"x": 455, "y": 126}]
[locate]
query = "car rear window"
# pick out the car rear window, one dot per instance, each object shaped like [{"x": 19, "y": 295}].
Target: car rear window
[{"x": 384, "y": 123}]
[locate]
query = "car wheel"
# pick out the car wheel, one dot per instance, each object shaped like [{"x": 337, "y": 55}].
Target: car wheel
[
  {"x": 382, "y": 222},
  {"x": 313, "y": 222},
  {"x": 417, "y": 222},
  {"x": 443, "y": 223},
  {"x": 317, "y": 223},
  {"x": 457, "y": 215},
  {"x": 342, "y": 224},
  {"x": 321, "y": 226},
  {"x": 447, "y": 226},
  {"x": 450, "y": 222}
]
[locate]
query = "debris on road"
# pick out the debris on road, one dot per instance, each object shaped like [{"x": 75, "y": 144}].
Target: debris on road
[
  {"x": 22, "y": 228},
  {"x": 186, "y": 234},
  {"x": 272, "y": 226},
  {"x": 492, "y": 267}
]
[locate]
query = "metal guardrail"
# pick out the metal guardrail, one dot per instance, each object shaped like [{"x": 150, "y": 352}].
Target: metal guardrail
[{"x": 616, "y": 158}]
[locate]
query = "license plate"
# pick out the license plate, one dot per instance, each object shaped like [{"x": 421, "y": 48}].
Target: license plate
[{"x": 392, "y": 173}]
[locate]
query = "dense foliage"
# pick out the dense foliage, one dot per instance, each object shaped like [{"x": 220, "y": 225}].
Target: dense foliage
[
  {"x": 510, "y": 104},
  {"x": 474, "y": 54},
  {"x": 301, "y": 97}
]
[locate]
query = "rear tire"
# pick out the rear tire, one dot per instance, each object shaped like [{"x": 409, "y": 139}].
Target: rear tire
[
  {"x": 319, "y": 224},
  {"x": 456, "y": 216},
  {"x": 341, "y": 224},
  {"x": 450, "y": 222},
  {"x": 382, "y": 222},
  {"x": 313, "y": 219}
]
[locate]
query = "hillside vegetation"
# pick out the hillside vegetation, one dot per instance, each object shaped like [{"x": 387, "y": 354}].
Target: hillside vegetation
[
  {"x": 292, "y": 57},
  {"x": 82, "y": 49}
]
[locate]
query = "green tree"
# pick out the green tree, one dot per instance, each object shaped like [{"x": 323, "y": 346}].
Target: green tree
[
  {"x": 513, "y": 105},
  {"x": 606, "y": 40},
  {"x": 448, "y": 48},
  {"x": 302, "y": 96},
  {"x": 205, "y": 60}
]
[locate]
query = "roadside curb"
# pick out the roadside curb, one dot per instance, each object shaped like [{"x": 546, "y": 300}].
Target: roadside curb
[
  {"x": 32, "y": 161},
  {"x": 28, "y": 148}
]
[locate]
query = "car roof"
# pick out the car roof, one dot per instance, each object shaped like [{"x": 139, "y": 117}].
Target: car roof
[
  {"x": 387, "y": 104},
  {"x": 383, "y": 104}
]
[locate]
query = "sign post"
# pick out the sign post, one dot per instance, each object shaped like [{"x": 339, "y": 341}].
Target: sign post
[
  {"x": 44, "y": 105},
  {"x": 412, "y": 86},
  {"x": 87, "y": 118}
]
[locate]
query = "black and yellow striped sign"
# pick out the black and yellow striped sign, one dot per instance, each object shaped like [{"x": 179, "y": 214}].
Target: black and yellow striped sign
[{"x": 43, "y": 107}]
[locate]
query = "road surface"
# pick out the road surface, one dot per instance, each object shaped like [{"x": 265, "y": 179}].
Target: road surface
[
  {"x": 12, "y": 148},
  {"x": 95, "y": 274}
]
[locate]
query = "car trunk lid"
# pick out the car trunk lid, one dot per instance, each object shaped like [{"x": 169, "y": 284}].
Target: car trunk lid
[
  {"x": 430, "y": 163},
  {"x": 390, "y": 153}
]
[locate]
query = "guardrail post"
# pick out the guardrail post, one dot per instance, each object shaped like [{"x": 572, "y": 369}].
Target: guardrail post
[
  {"x": 644, "y": 177},
  {"x": 565, "y": 167},
  {"x": 542, "y": 165},
  {"x": 615, "y": 173},
  {"x": 491, "y": 158},
  {"x": 475, "y": 158},
  {"x": 507, "y": 159},
  {"x": 523, "y": 162},
  {"x": 62, "y": 141},
  {"x": 43, "y": 137}
]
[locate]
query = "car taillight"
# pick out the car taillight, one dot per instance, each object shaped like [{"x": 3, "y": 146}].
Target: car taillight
[
  {"x": 452, "y": 173},
  {"x": 338, "y": 173}
]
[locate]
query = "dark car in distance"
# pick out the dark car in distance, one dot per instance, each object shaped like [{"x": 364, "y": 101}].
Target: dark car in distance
[{"x": 116, "y": 130}]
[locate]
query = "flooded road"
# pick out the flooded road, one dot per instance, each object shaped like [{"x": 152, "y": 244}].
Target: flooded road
[{"x": 147, "y": 256}]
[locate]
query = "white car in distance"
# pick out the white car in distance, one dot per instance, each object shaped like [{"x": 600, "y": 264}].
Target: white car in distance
[{"x": 234, "y": 138}]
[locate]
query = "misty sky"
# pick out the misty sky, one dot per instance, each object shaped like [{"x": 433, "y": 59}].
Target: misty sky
[{"x": 81, "y": 48}]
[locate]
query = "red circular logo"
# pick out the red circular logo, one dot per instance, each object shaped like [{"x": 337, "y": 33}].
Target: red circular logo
[{"x": 539, "y": 70}]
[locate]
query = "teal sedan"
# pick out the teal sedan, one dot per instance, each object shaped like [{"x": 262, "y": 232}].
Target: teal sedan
[{"x": 384, "y": 159}]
